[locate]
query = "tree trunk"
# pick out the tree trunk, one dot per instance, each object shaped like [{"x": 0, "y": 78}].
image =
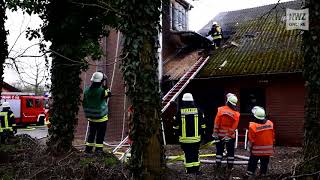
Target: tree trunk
[
  {"x": 3, "y": 41},
  {"x": 140, "y": 27},
  {"x": 311, "y": 40},
  {"x": 64, "y": 32}
]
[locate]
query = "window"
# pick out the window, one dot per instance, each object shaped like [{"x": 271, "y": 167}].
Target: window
[
  {"x": 38, "y": 103},
  {"x": 46, "y": 103},
  {"x": 178, "y": 17},
  {"x": 29, "y": 103},
  {"x": 250, "y": 97}
]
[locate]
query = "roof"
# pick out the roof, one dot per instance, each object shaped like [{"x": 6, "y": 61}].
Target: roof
[
  {"x": 10, "y": 88},
  {"x": 176, "y": 67},
  {"x": 264, "y": 44},
  {"x": 187, "y": 5}
]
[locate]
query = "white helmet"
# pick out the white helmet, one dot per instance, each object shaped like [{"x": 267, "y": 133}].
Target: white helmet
[
  {"x": 214, "y": 23},
  {"x": 232, "y": 99},
  {"x": 97, "y": 77},
  {"x": 258, "y": 112},
  {"x": 187, "y": 97},
  {"x": 5, "y": 105}
]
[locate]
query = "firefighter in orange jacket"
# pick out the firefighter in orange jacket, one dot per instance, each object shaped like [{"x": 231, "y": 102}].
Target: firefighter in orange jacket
[
  {"x": 225, "y": 124},
  {"x": 261, "y": 140},
  {"x": 189, "y": 125}
]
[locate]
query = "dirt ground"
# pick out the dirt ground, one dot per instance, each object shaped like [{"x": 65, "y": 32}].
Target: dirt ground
[
  {"x": 28, "y": 159},
  {"x": 281, "y": 164}
]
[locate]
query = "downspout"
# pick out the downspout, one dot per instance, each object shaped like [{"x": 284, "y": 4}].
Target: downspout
[{"x": 160, "y": 70}]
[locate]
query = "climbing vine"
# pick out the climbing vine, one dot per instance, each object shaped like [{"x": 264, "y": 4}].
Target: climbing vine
[
  {"x": 312, "y": 75},
  {"x": 3, "y": 41},
  {"x": 74, "y": 27},
  {"x": 74, "y": 30},
  {"x": 140, "y": 27}
]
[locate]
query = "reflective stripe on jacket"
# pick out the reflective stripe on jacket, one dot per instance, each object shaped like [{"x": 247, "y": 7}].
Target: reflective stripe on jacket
[
  {"x": 226, "y": 122},
  {"x": 216, "y": 33},
  {"x": 190, "y": 125},
  {"x": 262, "y": 138},
  {"x": 7, "y": 121}
]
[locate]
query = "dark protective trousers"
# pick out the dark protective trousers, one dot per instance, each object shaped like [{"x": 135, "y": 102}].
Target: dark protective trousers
[
  {"x": 191, "y": 153},
  {"x": 253, "y": 162},
  {"x": 230, "y": 152},
  {"x": 217, "y": 42},
  {"x": 97, "y": 131}
]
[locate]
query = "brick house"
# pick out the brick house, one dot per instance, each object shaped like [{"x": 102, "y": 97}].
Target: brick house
[
  {"x": 174, "y": 20},
  {"x": 264, "y": 68},
  {"x": 8, "y": 88}
]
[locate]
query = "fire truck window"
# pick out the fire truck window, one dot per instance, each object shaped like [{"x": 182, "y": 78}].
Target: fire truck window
[
  {"x": 38, "y": 103},
  {"x": 29, "y": 103}
]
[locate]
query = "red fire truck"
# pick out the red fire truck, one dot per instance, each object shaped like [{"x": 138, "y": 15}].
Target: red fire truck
[{"x": 27, "y": 108}]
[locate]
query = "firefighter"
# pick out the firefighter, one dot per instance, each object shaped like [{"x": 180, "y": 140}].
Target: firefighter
[
  {"x": 261, "y": 140},
  {"x": 96, "y": 110},
  {"x": 7, "y": 123},
  {"x": 216, "y": 34},
  {"x": 225, "y": 124},
  {"x": 189, "y": 125}
]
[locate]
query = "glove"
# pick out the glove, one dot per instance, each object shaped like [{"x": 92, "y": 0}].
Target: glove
[
  {"x": 249, "y": 146},
  {"x": 215, "y": 136},
  {"x": 226, "y": 138}
]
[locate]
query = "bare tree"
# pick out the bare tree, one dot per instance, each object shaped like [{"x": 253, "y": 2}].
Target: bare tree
[{"x": 26, "y": 60}]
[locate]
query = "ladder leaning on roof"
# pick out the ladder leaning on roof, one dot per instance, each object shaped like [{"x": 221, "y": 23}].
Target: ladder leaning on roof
[
  {"x": 182, "y": 83},
  {"x": 174, "y": 93}
]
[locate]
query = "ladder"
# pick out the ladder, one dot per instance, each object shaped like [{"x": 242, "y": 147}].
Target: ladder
[
  {"x": 182, "y": 83},
  {"x": 172, "y": 95}
]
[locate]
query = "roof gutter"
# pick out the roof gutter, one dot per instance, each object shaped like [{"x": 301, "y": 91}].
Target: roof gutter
[{"x": 245, "y": 75}]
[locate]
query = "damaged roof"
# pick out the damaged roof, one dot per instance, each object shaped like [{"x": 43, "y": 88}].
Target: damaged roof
[
  {"x": 175, "y": 68},
  {"x": 263, "y": 45}
]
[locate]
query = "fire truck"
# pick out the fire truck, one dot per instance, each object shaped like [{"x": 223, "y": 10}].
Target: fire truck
[{"x": 27, "y": 107}]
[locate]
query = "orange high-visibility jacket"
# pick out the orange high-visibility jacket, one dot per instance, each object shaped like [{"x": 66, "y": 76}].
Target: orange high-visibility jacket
[
  {"x": 226, "y": 122},
  {"x": 262, "y": 138}
]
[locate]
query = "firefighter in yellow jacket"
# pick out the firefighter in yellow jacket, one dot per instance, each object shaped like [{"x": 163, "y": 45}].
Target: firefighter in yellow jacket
[
  {"x": 96, "y": 110},
  {"x": 7, "y": 123},
  {"x": 216, "y": 34},
  {"x": 189, "y": 125}
]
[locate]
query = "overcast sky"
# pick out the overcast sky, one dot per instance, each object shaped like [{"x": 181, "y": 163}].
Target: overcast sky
[{"x": 199, "y": 16}]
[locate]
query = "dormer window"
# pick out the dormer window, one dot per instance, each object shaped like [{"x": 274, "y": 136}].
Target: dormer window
[{"x": 179, "y": 18}]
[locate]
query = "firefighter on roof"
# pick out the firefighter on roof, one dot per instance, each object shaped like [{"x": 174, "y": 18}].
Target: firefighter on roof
[
  {"x": 216, "y": 34},
  {"x": 261, "y": 140},
  {"x": 189, "y": 125},
  {"x": 7, "y": 122},
  {"x": 96, "y": 110},
  {"x": 225, "y": 124}
]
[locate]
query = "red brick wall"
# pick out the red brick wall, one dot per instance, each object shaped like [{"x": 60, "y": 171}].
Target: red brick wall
[
  {"x": 286, "y": 108},
  {"x": 284, "y": 102},
  {"x": 117, "y": 103}
]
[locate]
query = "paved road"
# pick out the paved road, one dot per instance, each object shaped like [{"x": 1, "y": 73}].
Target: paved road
[{"x": 35, "y": 132}]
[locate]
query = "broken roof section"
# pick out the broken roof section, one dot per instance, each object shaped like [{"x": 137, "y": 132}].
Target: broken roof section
[
  {"x": 174, "y": 69},
  {"x": 189, "y": 45},
  {"x": 264, "y": 46}
]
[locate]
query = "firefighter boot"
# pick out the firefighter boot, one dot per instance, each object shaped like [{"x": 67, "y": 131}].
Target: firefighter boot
[
  {"x": 218, "y": 172},
  {"x": 228, "y": 173},
  {"x": 99, "y": 151},
  {"x": 88, "y": 150}
]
